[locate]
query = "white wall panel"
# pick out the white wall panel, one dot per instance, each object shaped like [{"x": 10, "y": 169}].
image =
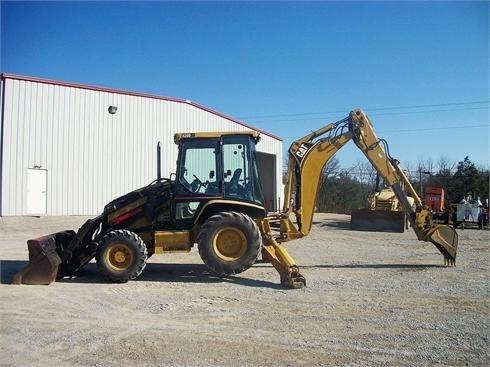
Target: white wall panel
[{"x": 91, "y": 156}]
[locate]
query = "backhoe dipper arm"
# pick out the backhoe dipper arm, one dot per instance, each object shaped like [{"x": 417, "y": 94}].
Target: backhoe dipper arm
[{"x": 443, "y": 237}]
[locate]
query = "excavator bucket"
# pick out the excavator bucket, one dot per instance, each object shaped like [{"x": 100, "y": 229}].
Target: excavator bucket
[
  {"x": 445, "y": 239},
  {"x": 44, "y": 259},
  {"x": 377, "y": 220}
]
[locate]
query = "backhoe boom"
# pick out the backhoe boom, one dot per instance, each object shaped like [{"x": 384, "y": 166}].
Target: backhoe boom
[{"x": 307, "y": 158}]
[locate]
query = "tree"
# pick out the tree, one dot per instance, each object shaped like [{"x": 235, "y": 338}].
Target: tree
[
  {"x": 325, "y": 189},
  {"x": 365, "y": 174},
  {"x": 341, "y": 190},
  {"x": 444, "y": 166},
  {"x": 468, "y": 180},
  {"x": 443, "y": 173}
]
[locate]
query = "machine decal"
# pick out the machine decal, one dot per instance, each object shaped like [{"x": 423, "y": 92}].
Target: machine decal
[{"x": 302, "y": 152}]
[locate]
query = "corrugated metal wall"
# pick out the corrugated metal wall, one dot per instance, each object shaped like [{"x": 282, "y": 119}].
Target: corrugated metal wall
[{"x": 91, "y": 156}]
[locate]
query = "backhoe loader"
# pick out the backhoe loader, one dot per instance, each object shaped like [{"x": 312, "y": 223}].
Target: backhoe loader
[
  {"x": 385, "y": 213},
  {"x": 215, "y": 201}
]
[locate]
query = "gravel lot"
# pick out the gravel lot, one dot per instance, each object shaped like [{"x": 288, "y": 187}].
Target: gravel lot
[{"x": 372, "y": 299}]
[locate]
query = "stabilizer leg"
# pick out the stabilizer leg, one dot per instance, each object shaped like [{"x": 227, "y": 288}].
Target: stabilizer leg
[{"x": 284, "y": 264}]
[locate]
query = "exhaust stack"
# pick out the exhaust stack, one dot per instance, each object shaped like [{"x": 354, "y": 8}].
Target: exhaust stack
[{"x": 159, "y": 161}]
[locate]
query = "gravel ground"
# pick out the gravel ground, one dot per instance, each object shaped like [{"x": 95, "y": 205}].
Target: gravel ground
[{"x": 372, "y": 299}]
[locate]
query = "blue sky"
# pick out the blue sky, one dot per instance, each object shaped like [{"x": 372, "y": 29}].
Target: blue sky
[{"x": 284, "y": 67}]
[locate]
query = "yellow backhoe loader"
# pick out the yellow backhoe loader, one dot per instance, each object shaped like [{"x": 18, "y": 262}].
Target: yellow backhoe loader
[
  {"x": 385, "y": 213},
  {"x": 215, "y": 201}
]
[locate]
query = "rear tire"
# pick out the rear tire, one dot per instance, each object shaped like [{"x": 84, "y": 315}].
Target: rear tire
[
  {"x": 121, "y": 256},
  {"x": 229, "y": 243}
]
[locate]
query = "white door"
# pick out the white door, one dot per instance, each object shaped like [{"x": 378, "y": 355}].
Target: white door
[{"x": 36, "y": 191}]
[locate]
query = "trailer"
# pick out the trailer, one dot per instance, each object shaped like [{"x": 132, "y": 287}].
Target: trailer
[{"x": 469, "y": 211}]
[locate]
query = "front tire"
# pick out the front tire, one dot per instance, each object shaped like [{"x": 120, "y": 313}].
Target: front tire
[
  {"x": 121, "y": 256},
  {"x": 229, "y": 243}
]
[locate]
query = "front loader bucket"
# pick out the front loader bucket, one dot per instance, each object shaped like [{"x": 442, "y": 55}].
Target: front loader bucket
[
  {"x": 445, "y": 239},
  {"x": 377, "y": 220},
  {"x": 43, "y": 260}
]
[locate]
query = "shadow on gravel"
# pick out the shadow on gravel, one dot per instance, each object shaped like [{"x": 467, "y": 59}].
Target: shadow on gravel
[
  {"x": 376, "y": 266},
  {"x": 336, "y": 224},
  {"x": 8, "y": 268},
  {"x": 196, "y": 273},
  {"x": 154, "y": 272}
]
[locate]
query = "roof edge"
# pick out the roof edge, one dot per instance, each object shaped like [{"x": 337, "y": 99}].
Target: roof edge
[{"x": 135, "y": 94}]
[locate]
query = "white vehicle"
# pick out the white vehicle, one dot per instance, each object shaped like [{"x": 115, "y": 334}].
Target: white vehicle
[{"x": 470, "y": 211}]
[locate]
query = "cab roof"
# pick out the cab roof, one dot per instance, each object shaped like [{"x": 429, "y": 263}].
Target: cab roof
[{"x": 215, "y": 135}]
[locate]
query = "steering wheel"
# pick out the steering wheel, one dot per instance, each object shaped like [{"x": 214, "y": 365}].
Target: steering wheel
[
  {"x": 234, "y": 180},
  {"x": 196, "y": 184}
]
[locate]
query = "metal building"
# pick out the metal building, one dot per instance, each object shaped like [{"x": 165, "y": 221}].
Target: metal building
[{"x": 68, "y": 149}]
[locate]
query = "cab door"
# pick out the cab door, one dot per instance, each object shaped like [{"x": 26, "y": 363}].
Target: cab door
[
  {"x": 198, "y": 177},
  {"x": 240, "y": 174}
]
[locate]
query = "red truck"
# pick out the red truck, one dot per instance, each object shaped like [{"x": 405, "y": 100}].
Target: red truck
[{"x": 434, "y": 199}]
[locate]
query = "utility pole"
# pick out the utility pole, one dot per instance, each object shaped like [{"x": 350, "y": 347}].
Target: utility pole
[{"x": 420, "y": 180}]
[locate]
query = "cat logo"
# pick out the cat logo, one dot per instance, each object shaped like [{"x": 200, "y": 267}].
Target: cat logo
[{"x": 302, "y": 151}]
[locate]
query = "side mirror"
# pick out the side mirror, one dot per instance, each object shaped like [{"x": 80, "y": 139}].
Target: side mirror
[{"x": 211, "y": 174}]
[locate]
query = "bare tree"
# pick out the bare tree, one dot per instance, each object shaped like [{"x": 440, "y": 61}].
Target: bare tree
[
  {"x": 445, "y": 166},
  {"x": 365, "y": 174},
  {"x": 427, "y": 165},
  {"x": 330, "y": 170},
  {"x": 409, "y": 171}
]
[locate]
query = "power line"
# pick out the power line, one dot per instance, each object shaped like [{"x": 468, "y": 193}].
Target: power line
[
  {"x": 415, "y": 130},
  {"x": 434, "y": 128},
  {"x": 367, "y": 109},
  {"x": 372, "y": 114}
]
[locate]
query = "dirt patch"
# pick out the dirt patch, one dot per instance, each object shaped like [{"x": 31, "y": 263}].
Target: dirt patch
[{"x": 378, "y": 299}]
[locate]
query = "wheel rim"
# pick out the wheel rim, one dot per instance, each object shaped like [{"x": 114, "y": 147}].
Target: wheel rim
[
  {"x": 229, "y": 244},
  {"x": 119, "y": 256}
]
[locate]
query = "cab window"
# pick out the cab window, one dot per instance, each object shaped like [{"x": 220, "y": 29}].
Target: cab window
[
  {"x": 198, "y": 167},
  {"x": 239, "y": 170}
]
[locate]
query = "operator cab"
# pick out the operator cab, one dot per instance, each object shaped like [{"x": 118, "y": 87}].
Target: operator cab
[{"x": 216, "y": 166}]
